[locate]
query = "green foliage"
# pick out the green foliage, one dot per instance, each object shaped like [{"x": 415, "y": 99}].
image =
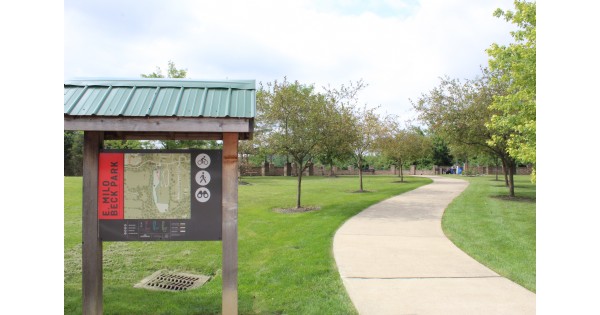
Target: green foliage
[
  {"x": 440, "y": 152},
  {"x": 340, "y": 129},
  {"x": 124, "y": 144},
  {"x": 296, "y": 117},
  {"x": 403, "y": 145},
  {"x": 368, "y": 128},
  {"x": 460, "y": 113},
  {"x": 172, "y": 72},
  {"x": 73, "y": 153},
  {"x": 189, "y": 144},
  {"x": 516, "y": 64}
]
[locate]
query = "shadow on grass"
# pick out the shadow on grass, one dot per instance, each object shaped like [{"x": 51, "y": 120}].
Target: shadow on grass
[
  {"x": 527, "y": 187},
  {"x": 515, "y": 199},
  {"x": 297, "y": 210}
]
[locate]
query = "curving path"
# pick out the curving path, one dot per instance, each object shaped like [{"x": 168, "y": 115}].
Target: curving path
[{"x": 394, "y": 259}]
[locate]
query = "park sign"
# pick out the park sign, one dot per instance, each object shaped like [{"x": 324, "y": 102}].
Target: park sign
[
  {"x": 158, "y": 195},
  {"x": 159, "y": 109}
]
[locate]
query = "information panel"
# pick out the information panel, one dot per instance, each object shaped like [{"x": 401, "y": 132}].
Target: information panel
[{"x": 158, "y": 195}]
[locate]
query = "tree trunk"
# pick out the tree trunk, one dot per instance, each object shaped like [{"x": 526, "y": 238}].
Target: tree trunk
[
  {"x": 508, "y": 166},
  {"x": 496, "y": 168},
  {"x": 298, "y": 167},
  {"x": 401, "y": 172},
  {"x": 360, "y": 174},
  {"x": 331, "y": 174},
  {"x": 511, "y": 180},
  {"x": 505, "y": 171}
]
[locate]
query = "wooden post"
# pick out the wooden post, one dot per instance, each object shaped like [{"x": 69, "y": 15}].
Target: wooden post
[
  {"x": 230, "y": 211},
  {"x": 92, "y": 245}
]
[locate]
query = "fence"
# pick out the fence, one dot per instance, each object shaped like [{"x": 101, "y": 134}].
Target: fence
[{"x": 319, "y": 170}]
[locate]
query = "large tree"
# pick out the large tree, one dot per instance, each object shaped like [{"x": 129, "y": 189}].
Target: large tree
[
  {"x": 459, "y": 111},
  {"x": 516, "y": 64},
  {"x": 296, "y": 116}
]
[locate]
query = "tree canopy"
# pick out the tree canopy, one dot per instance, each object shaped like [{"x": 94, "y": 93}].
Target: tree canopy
[
  {"x": 296, "y": 116},
  {"x": 516, "y": 66},
  {"x": 400, "y": 145},
  {"x": 460, "y": 111}
]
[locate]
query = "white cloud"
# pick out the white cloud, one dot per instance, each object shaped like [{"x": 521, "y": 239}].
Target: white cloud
[{"x": 400, "y": 54}]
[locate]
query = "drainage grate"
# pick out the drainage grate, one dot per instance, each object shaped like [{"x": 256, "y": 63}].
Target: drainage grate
[{"x": 165, "y": 280}]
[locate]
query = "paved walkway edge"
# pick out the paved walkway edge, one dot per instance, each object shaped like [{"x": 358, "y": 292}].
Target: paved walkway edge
[{"x": 394, "y": 258}]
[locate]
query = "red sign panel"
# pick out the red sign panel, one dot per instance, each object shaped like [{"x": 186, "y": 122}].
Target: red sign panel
[{"x": 110, "y": 186}]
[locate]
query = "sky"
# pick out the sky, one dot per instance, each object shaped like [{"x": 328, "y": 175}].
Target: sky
[{"x": 399, "y": 48}]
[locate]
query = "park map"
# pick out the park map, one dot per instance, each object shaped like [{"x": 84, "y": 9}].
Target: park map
[{"x": 157, "y": 186}]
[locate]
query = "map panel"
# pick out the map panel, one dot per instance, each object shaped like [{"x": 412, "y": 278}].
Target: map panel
[{"x": 157, "y": 186}]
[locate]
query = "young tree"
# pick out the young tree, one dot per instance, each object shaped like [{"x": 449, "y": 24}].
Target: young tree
[
  {"x": 401, "y": 145},
  {"x": 296, "y": 115},
  {"x": 367, "y": 130},
  {"x": 336, "y": 143},
  {"x": 516, "y": 110}
]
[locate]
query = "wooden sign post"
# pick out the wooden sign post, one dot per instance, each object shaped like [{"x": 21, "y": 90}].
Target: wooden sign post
[
  {"x": 92, "y": 245},
  {"x": 230, "y": 213},
  {"x": 178, "y": 110}
]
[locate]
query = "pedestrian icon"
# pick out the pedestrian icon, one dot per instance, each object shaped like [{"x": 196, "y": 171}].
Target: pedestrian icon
[{"x": 203, "y": 178}]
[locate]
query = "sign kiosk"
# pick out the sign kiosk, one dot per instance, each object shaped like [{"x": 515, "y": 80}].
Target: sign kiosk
[{"x": 203, "y": 183}]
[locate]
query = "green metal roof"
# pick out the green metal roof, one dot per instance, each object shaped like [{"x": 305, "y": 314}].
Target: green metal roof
[{"x": 160, "y": 98}]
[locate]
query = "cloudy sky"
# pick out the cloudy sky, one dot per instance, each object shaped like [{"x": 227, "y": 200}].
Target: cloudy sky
[{"x": 399, "y": 48}]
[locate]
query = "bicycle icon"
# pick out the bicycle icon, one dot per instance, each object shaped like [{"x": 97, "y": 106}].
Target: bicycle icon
[
  {"x": 202, "y": 194},
  {"x": 202, "y": 160}
]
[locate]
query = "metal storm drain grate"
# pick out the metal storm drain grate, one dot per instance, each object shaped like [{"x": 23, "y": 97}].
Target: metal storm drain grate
[{"x": 165, "y": 280}]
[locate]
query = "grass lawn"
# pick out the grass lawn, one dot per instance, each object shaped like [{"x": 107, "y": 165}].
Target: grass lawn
[
  {"x": 286, "y": 264},
  {"x": 495, "y": 230}
]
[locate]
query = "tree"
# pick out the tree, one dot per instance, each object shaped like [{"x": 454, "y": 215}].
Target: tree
[
  {"x": 401, "y": 145},
  {"x": 368, "y": 129},
  {"x": 73, "y": 146},
  {"x": 337, "y": 132},
  {"x": 295, "y": 113},
  {"x": 440, "y": 151},
  {"x": 516, "y": 63},
  {"x": 459, "y": 111}
]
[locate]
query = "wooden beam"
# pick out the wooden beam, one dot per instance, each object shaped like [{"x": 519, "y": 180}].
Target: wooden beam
[
  {"x": 230, "y": 211},
  {"x": 92, "y": 245},
  {"x": 126, "y": 135},
  {"x": 158, "y": 124}
]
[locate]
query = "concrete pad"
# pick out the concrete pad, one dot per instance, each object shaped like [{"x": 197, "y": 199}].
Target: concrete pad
[{"x": 395, "y": 259}]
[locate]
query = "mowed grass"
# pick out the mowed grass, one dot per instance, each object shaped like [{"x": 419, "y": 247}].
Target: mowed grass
[
  {"x": 286, "y": 264},
  {"x": 496, "y": 230}
]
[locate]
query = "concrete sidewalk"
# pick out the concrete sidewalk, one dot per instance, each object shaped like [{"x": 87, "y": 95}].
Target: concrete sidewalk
[{"x": 394, "y": 259}]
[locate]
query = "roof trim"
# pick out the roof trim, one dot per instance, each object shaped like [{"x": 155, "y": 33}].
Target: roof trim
[{"x": 229, "y": 84}]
